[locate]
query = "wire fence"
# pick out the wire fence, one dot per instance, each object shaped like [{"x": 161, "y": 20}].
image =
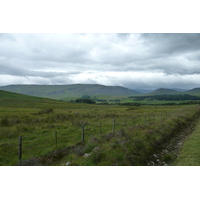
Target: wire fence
[{"x": 60, "y": 139}]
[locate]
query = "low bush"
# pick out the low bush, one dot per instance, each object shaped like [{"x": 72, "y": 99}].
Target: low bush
[
  {"x": 5, "y": 122},
  {"x": 46, "y": 111}
]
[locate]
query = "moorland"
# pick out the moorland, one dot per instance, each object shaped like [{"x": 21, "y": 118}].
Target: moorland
[{"x": 124, "y": 130}]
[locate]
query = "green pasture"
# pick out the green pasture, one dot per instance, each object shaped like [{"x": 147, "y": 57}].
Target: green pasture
[
  {"x": 37, "y": 120},
  {"x": 37, "y": 127}
]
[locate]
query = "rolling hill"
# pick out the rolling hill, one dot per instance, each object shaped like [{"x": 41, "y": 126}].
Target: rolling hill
[
  {"x": 162, "y": 91},
  {"x": 68, "y": 91},
  {"x": 15, "y": 100},
  {"x": 195, "y": 91}
]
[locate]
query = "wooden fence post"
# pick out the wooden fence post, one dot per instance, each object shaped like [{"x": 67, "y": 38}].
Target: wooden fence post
[
  {"x": 100, "y": 127},
  {"x": 20, "y": 149},
  {"x": 125, "y": 122},
  {"x": 83, "y": 133}
]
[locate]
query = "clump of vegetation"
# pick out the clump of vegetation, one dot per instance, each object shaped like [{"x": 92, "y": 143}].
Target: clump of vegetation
[
  {"x": 89, "y": 101},
  {"x": 5, "y": 122},
  {"x": 46, "y": 111}
]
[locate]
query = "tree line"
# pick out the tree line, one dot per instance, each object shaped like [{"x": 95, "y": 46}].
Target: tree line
[{"x": 166, "y": 97}]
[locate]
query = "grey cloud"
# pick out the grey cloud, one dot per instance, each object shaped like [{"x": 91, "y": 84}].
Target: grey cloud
[
  {"x": 103, "y": 50},
  {"x": 7, "y": 37},
  {"x": 60, "y": 57},
  {"x": 170, "y": 65},
  {"x": 168, "y": 43},
  {"x": 123, "y": 35},
  {"x": 15, "y": 70}
]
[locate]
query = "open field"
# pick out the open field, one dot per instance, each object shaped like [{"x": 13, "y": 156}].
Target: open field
[{"x": 125, "y": 135}]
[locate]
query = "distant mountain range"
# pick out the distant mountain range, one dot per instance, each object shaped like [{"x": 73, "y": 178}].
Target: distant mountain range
[
  {"x": 79, "y": 90},
  {"x": 68, "y": 91}
]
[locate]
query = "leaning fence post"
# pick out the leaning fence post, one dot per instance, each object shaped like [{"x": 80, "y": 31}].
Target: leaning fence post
[
  {"x": 83, "y": 132},
  {"x": 20, "y": 149}
]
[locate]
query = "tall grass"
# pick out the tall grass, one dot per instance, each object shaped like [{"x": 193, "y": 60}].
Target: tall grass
[
  {"x": 189, "y": 154},
  {"x": 133, "y": 142}
]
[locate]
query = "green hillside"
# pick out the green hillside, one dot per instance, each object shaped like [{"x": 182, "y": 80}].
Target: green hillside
[
  {"x": 164, "y": 91},
  {"x": 161, "y": 91},
  {"x": 68, "y": 91},
  {"x": 14, "y": 100},
  {"x": 195, "y": 91}
]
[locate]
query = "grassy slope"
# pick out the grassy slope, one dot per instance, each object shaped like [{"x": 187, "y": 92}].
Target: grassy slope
[
  {"x": 190, "y": 151},
  {"x": 20, "y": 115},
  {"x": 195, "y": 91},
  {"x": 14, "y": 100}
]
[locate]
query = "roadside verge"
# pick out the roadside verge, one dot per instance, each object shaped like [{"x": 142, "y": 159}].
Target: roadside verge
[{"x": 189, "y": 154}]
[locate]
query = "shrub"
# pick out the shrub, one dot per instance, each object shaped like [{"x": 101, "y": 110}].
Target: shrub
[
  {"x": 5, "y": 122},
  {"x": 78, "y": 122},
  {"x": 89, "y": 101},
  {"x": 46, "y": 111}
]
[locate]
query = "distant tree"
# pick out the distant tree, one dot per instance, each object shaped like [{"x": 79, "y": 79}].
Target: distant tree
[
  {"x": 89, "y": 101},
  {"x": 85, "y": 97}
]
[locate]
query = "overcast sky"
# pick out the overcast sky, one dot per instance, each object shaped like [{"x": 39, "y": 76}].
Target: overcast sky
[{"x": 137, "y": 61}]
